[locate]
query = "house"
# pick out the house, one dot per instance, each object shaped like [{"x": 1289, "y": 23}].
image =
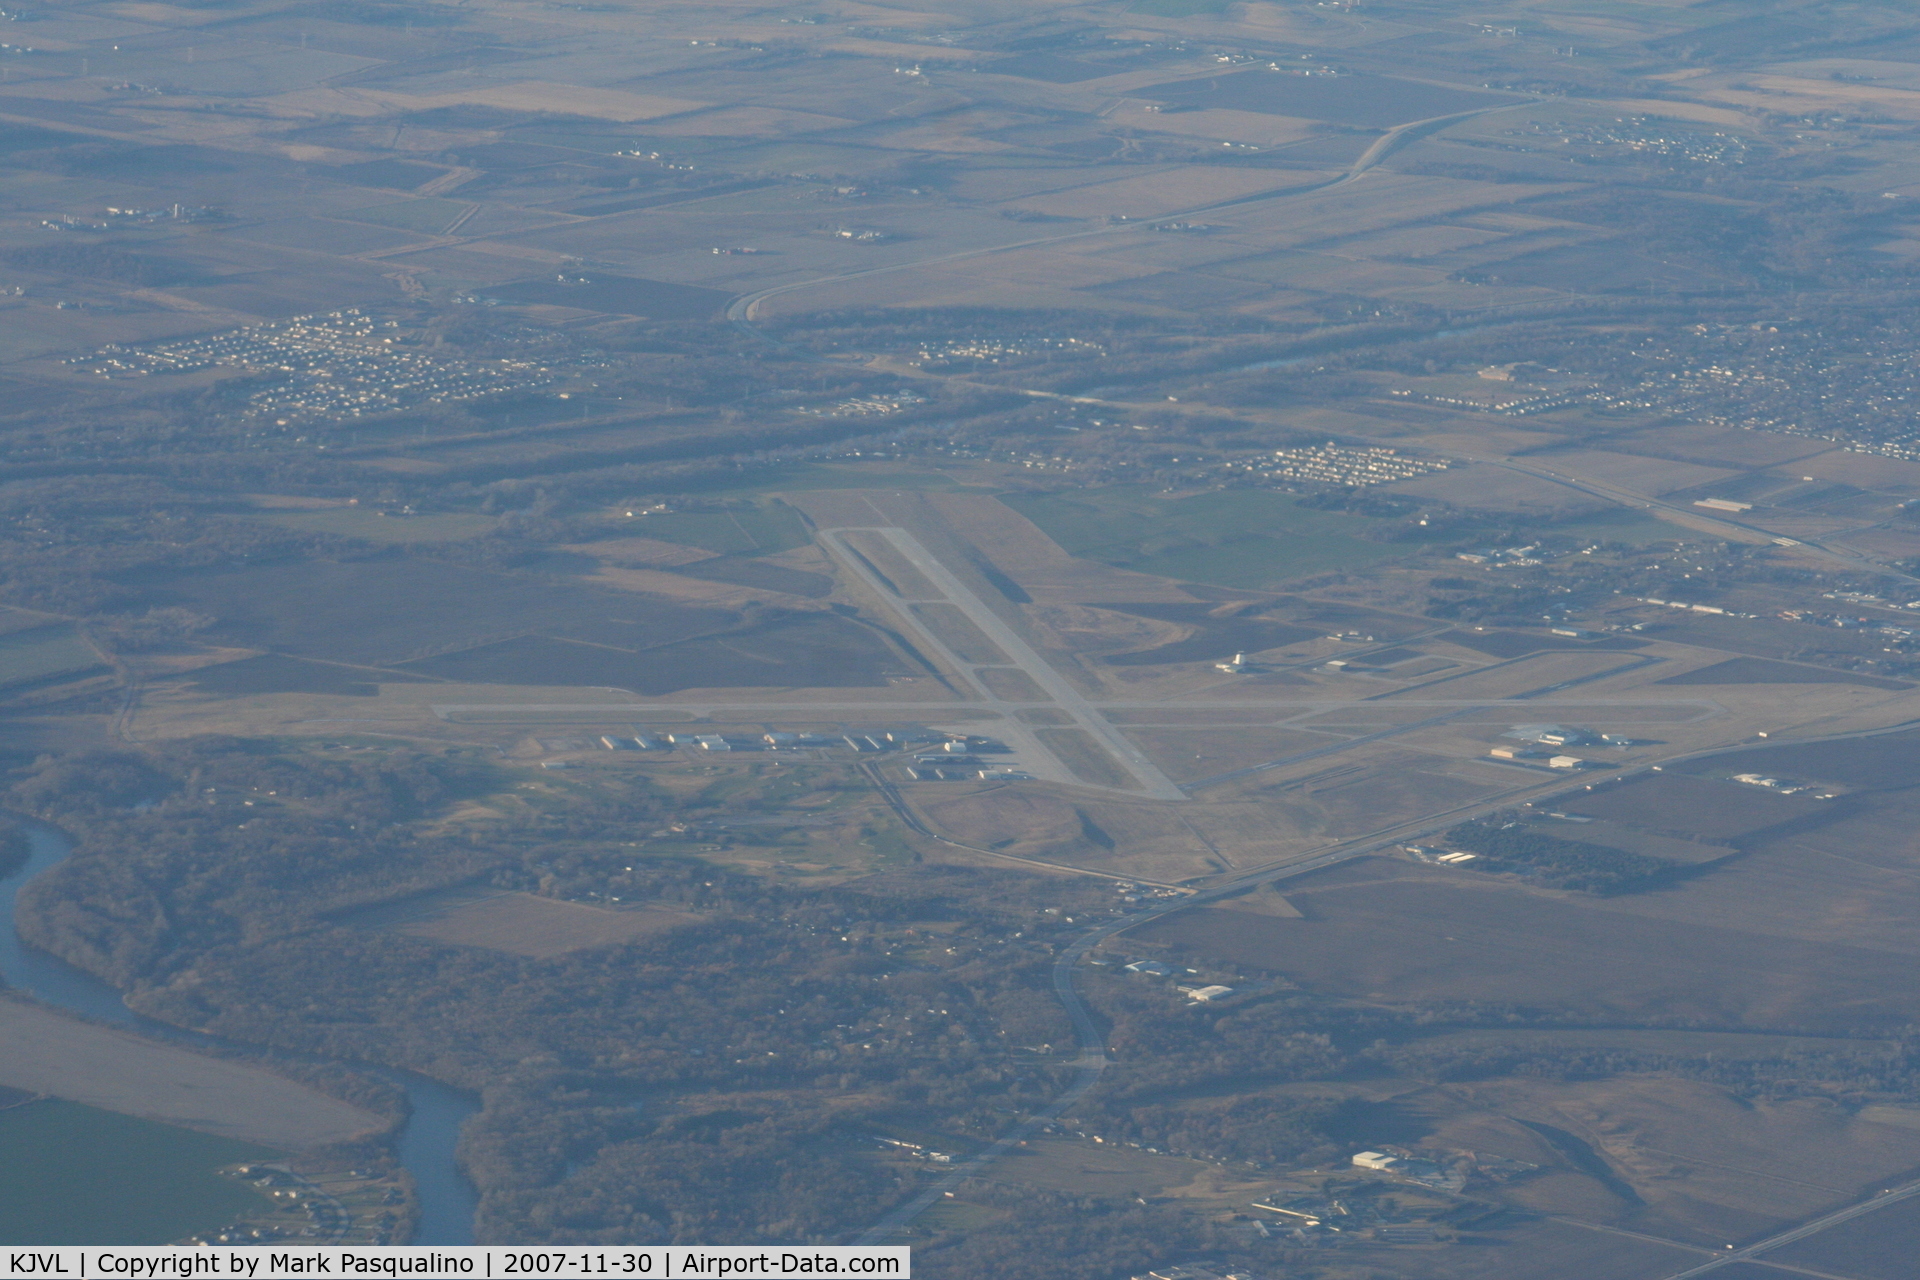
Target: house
[{"x": 1205, "y": 995}]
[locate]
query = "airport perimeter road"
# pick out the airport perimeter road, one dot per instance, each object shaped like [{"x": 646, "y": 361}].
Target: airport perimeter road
[{"x": 1152, "y": 781}]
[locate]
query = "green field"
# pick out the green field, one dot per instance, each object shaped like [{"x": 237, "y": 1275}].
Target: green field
[
  {"x": 754, "y": 531},
  {"x": 43, "y": 652},
  {"x": 73, "y": 1174},
  {"x": 1634, "y": 528},
  {"x": 363, "y": 522},
  {"x": 428, "y": 215},
  {"x": 1248, "y": 538}
]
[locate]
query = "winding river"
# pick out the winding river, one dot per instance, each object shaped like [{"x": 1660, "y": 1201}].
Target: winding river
[{"x": 425, "y": 1144}]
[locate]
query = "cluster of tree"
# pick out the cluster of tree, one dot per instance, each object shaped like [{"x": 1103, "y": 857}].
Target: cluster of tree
[
  {"x": 220, "y": 883},
  {"x": 1506, "y": 844},
  {"x": 1845, "y": 1072},
  {"x": 98, "y": 262}
]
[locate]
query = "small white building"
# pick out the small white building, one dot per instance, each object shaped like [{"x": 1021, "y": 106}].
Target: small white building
[
  {"x": 1204, "y": 995},
  {"x": 1377, "y": 1160},
  {"x": 1565, "y": 762}
]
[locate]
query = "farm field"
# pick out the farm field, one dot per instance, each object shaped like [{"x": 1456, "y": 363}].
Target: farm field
[
  {"x": 1186, "y": 755},
  {"x": 75, "y": 1174},
  {"x": 802, "y": 650},
  {"x": 377, "y": 526},
  {"x": 1233, "y": 538},
  {"x": 520, "y": 923},
  {"x": 42, "y": 652},
  {"x": 377, "y": 611}
]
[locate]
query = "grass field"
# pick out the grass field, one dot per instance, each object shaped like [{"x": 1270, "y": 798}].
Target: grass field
[
  {"x": 276, "y": 673},
  {"x": 75, "y": 1174},
  {"x": 759, "y": 531},
  {"x": 1077, "y": 749},
  {"x": 375, "y": 526},
  {"x": 43, "y": 652},
  {"x": 1234, "y": 538},
  {"x": 388, "y": 610},
  {"x": 1630, "y": 527},
  {"x": 520, "y": 923},
  {"x": 1198, "y": 753}
]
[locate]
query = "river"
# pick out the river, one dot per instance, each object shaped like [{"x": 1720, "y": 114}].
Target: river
[{"x": 425, "y": 1144}]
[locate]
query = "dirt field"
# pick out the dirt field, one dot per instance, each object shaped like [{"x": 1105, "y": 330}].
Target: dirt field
[
  {"x": 44, "y": 1052},
  {"x": 521, "y": 923}
]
